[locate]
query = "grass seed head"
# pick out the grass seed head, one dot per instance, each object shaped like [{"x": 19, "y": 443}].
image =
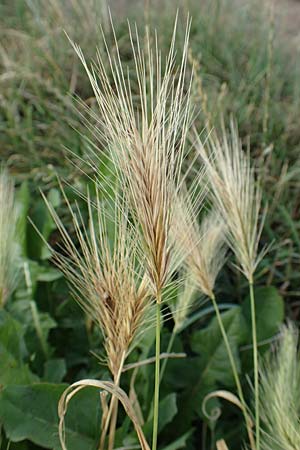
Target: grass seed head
[
  {"x": 199, "y": 245},
  {"x": 144, "y": 118},
  {"x": 236, "y": 196},
  {"x": 106, "y": 276}
]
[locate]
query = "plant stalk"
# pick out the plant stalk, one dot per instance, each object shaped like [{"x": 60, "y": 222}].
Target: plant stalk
[
  {"x": 111, "y": 419},
  {"x": 113, "y": 423},
  {"x": 255, "y": 364},
  {"x": 235, "y": 372},
  {"x": 157, "y": 373}
]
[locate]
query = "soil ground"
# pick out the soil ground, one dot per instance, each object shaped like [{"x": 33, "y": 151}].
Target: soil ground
[{"x": 287, "y": 13}]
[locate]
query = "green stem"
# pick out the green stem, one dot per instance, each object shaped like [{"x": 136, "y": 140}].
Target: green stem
[
  {"x": 157, "y": 377},
  {"x": 169, "y": 348},
  {"x": 234, "y": 371},
  {"x": 255, "y": 364}
]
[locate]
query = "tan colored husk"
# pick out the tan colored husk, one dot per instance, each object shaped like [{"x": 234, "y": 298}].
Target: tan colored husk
[{"x": 107, "y": 386}]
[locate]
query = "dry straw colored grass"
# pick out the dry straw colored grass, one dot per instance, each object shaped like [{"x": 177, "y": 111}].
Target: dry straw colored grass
[
  {"x": 203, "y": 246},
  {"x": 104, "y": 386}
]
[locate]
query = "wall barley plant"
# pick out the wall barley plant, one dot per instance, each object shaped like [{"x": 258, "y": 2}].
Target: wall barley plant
[
  {"x": 145, "y": 135},
  {"x": 203, "y": 249},
  {"x": 143, "y": 119},
  {"x": 146, "y": 138},
  {"x": 107, "y": 279},
  {"x": 237, "y": 197}
]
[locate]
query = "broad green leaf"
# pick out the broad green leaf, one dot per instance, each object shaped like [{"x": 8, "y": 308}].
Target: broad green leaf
[
  {"x": 42, "y": 219},
  {"x": 13, "y": 372},
  {"x": 36, "y": 324},
  {"x": 197, "y": 315},
  {"x": 269, "y": 307},
  {"x": 31, "y": 273},
  {"x": 11, "y": 336},
  {"x": 212, "y": 367},
  {"x": 180, "y": 442},
  {"x": 30, "y": 412},
  {"x": 209, "y": 344},
  {"x": 54, "y": 197},
  {"x": 8, "y": 445},
  {"x": 48, "y": 274},
  {"x": 12, "y": 352},
  {"x": 167, "y": 411},
  {"x": 54, "y": 370}
]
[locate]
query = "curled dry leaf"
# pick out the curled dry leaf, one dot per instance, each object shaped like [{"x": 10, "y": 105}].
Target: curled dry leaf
[
  {"x": 216, "y": 412},
  {"x": 107, "y": 386}
]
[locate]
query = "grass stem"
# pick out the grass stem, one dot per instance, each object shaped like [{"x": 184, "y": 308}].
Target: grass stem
[
  {"x": 157, "y": 374},
  {"x": 113, "y": 423},
  {"x": 255, "y": 364},
  {"x": 234, "y": 371},
  {"x": 111, "y": 419}
]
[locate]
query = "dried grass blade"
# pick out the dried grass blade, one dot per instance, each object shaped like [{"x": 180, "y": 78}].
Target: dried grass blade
[
  {"x": 216, "y": 412},
  {"x": 107, "y": 386}
]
